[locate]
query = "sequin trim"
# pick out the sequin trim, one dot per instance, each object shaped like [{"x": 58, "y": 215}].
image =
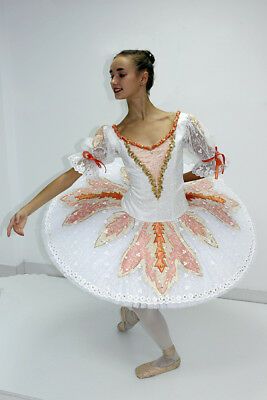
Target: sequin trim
[
  {"x": 159, "y": 301},
  {"x": 118, "y": 224},
  {"x": 159, "y": 248},
  {"x": 142, "y": 146},
  {"x": 157, "y": 185},
  {"x": 197, "y": 226},
  {"x": 136, "y": 300}
]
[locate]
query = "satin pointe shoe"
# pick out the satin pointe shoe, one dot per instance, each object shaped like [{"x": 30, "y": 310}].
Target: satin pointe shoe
[
  {"x": 128, "y": 319},
  {"x": 169, "y": 361}
]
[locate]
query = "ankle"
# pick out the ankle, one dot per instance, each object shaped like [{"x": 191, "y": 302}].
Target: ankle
[{"x": 169, "y": 352}]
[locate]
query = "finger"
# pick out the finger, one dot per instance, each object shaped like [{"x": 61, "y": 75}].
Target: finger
[
  {"x": 18, "y": 230},
  {"x": 9, "y": 228},
  {"x": 10, "y": 224}
]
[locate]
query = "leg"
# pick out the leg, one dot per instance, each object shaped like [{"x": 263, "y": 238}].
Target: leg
[{"x": 155, "y": 325}]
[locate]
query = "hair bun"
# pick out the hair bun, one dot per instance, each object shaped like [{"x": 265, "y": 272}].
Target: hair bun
[{"x": 150, "y": 56}]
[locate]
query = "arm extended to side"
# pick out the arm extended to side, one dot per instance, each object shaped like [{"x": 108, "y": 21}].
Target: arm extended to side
[{"x": 58, "y": 185}]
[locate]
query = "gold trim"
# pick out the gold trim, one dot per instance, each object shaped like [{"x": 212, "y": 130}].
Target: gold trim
[
  {"x": 156, "y": 186},
  {"x": 153, "y": 146}
]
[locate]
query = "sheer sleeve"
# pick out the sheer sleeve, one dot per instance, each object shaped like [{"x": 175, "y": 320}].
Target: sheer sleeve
[
  {"x": 200, "y": 148},
  {"x": 96, "y": 152}
]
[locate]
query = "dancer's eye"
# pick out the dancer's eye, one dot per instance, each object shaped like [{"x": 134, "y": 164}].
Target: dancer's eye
[{"x": 120, "y": 75}]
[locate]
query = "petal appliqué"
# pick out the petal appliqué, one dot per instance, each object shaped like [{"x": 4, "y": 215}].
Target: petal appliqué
[
  {"x": 159, "y": 248},
  {"x": 100, "y": 194},
  {"x": 160, "y": 273},
  {"x": 104, "y": 184},
  {"x": 96, "y": 188},
  {"x": 89, "y": 208},
  {"x": 118, "y": 224},
  {"x": 197, "y": 226},
  {"x": 182, "y": 251},
  {"x": 218, "y": 210},
  {"x": 204, "y": 184},
  {"x": 201, "y": 193},
  {"x": 202, "y": 188},
  {"x": 134, "y": 255},
  {"x": 146, "y": 251}
]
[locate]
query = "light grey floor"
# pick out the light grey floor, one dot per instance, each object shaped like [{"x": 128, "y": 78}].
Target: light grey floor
[{"x": 58, "y": 342}]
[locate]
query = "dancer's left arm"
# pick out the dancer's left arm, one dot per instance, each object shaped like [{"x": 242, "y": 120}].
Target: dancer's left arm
[{"x": 201, "y": 148}]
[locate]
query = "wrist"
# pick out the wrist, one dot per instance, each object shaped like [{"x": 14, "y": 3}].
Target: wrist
[{"x": 26, "y": 210}]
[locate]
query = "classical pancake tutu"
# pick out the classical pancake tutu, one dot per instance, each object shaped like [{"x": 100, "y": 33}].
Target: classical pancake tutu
[{"x": 106, "y": 252}]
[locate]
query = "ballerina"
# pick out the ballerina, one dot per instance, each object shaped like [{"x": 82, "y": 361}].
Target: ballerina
[{"x": 171, "y": 238}]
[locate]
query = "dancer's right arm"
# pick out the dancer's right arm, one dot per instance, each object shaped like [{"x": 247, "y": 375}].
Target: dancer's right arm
[
  {"x": 58, "y": 185},
  {"x": 102, "y": 150}
]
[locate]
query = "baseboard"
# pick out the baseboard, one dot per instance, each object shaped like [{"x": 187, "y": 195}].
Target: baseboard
[
  {"x": 254, "y": 296},
  {"x": 15, "y": 396},
  {"x": 26, "y": 267}
]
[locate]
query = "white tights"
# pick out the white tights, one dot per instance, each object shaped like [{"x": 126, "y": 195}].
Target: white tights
[{"x": 155, "y": 325}]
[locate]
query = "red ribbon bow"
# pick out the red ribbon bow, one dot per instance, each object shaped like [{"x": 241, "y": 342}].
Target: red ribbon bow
[
  {"x": 218, "y": 161},
  {"x": 89, "y": 156}
]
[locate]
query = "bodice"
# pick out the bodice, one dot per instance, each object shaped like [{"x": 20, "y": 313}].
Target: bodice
[{"x": 156, "y": 185}]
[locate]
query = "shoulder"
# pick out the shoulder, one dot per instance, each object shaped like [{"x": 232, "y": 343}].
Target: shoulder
[
  {"x": 107, "y": 134},
  {"x": 190, "y": 120},
  {"x": 184, "y": 119},
  {"x": 103, "y": 131},
  {"x": 99, "y": 136},
  {"x": 189, "y": 117}
]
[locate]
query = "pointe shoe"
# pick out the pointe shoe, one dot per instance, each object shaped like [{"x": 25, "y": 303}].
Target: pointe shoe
[
  {"x": 128, "y": 319},
  {"x": 150, "y": 369}
]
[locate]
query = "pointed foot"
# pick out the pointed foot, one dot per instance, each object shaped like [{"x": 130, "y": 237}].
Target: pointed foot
[{"x": 128, "y": 319}]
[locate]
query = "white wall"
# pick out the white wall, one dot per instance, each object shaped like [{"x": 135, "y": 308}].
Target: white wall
[{"x": 55, "y": 56}]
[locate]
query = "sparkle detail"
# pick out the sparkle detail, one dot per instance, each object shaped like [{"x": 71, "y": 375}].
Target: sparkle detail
[{"x": 157, "y": 247}]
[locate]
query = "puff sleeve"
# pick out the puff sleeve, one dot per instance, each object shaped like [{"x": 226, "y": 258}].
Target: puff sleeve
[
  {"x": 201, "y": 149},
  {"x": 96, "y": 152}
]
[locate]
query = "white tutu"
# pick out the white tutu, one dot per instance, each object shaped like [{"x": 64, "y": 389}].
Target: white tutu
[{"x": 116, "y": 257}]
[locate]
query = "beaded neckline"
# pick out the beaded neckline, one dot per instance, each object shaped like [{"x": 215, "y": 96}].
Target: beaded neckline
[{"x": 142, "y": 146}]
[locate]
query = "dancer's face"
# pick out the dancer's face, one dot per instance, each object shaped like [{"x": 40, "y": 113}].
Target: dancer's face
[{"x": 123, "y": 75}]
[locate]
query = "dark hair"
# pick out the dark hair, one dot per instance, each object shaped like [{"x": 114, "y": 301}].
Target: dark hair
[{"x": 143, "y": 59}]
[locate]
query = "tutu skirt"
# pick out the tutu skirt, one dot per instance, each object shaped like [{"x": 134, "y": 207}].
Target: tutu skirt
[{"x": 100, "y": 248}]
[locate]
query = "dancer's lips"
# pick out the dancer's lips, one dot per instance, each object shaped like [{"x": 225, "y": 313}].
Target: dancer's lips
[{"x": 117, "y": 90}]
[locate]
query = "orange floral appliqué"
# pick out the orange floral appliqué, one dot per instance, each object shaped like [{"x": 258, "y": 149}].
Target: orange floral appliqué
[{"x": 157, "y": 247}]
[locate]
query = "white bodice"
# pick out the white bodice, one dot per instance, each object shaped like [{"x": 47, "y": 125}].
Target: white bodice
[
  {"x": 156, "y": 186},
  {"x": 141, "y": 201}
]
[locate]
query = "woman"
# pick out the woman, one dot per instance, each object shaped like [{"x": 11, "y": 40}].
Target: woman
[{"x": 170, "y": 239}]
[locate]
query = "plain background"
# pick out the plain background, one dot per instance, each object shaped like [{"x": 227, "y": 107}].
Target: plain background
[{"x": 55, "y": 90}]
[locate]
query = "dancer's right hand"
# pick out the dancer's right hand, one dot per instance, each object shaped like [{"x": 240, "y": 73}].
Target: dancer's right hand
[{"x": 17, "y": 222}]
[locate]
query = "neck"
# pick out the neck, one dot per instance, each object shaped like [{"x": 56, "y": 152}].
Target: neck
[{"x": 140, "y": 109}]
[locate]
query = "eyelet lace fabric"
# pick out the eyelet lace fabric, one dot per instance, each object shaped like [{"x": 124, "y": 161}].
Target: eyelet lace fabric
[
  {"x": 100, "y": 147},
  {"x": 90, "y": 237},
  {"x": 200, "y": 146},
  {"x": 95, "y": 270}
]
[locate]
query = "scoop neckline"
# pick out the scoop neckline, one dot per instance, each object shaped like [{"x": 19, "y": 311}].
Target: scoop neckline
[{"x": 158, "y": 143}]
